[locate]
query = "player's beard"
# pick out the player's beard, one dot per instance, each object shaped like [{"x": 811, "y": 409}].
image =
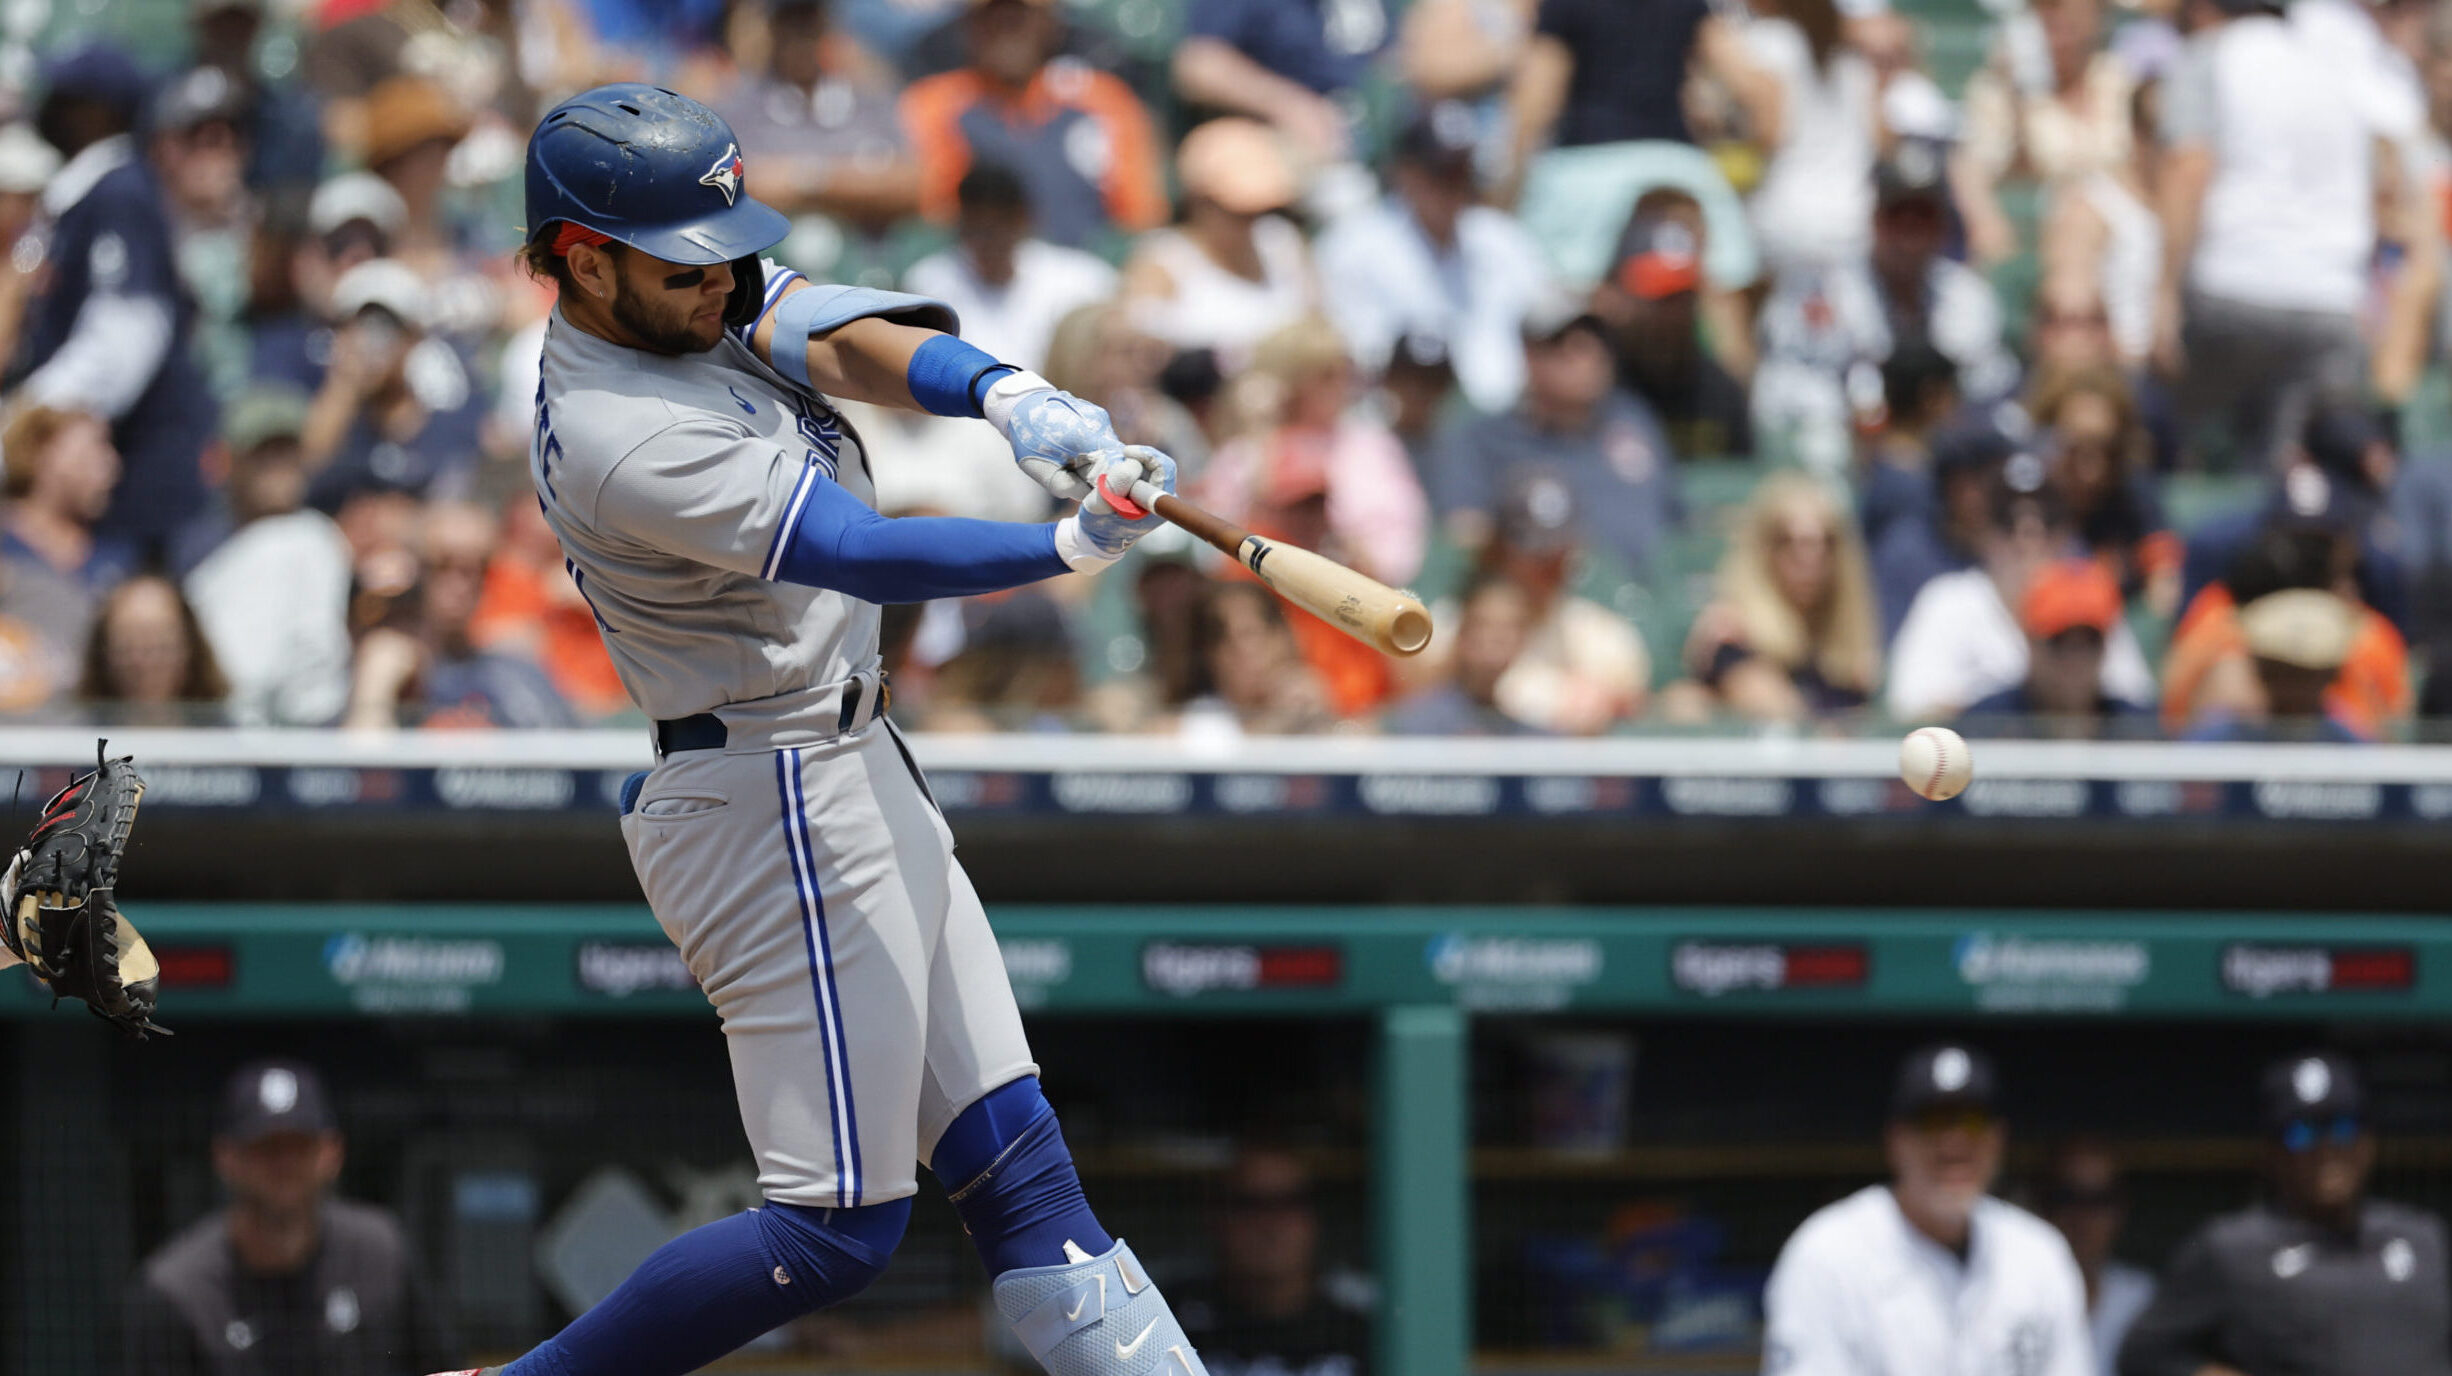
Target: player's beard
[{"x": 667, "y": 332}]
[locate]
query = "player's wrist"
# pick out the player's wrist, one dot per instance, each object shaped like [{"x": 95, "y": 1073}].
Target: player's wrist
[
  {"x": 1005, "y": 394},
  {"x": 1079, "y": 552}
]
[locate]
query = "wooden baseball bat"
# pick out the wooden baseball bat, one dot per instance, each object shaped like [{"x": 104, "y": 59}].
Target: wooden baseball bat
[{"x": 1368, "y": 610}]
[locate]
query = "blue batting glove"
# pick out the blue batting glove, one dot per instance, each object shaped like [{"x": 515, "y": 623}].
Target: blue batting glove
[
  {"x": 1111, "y": 517},
  {"x": 1054, "y": 434}
]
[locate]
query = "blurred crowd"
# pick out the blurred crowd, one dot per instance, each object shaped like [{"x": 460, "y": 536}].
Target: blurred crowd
[{"x": 2054, "y": 366}]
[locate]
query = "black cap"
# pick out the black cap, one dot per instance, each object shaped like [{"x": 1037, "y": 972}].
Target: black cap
[
  {"x": 1442, "y": 138},
  {"x": 266, "y": 1097},
  {"x": 99, "y": 72},
  {"x": 1423, "y": 349},
  {"x": 2314, "y": 1084},
  {"x": 1971, "y": 446},
  {"x": 2338, "y": 438},
  {"x": 1537, "y": 514},
  {"x": 1913, "y": 172},
  {"x": 1950, "y": 1075}
]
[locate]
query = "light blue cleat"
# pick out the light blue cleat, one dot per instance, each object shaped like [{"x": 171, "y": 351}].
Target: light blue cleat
[{"x": 1096, "y": 1316}]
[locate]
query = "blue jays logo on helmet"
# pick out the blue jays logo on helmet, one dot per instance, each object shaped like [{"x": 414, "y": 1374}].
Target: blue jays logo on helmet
[
  {"x": 650, "y": 168},
  {"x": 725, "y": 175}
]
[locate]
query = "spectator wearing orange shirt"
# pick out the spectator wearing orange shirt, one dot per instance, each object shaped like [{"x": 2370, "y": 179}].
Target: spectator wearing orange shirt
[
  {"x": 530, "y": 607},
  {"x": 2209, "y": 672},
  {"x": 1080, "y": 139}
]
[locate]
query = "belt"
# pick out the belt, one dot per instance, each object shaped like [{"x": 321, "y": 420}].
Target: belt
[{"x": 706, "y": 731}]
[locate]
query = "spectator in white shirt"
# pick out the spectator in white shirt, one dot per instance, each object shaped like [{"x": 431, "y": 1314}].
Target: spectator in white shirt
[
  {"x": 1432, "y": 258},
  {"x": 1961, "y": 641},
  {"x": 1814, "y": 204},
  {"x": 1929, "y": 1272},
  {"x": 1009, "y": 287},
  {"x": 273, "y": 599},
  {"x": 2268, "y": 198}
]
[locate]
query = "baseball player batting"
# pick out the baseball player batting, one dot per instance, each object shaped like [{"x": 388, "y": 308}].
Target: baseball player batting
[{"x": 715, "y": 510}]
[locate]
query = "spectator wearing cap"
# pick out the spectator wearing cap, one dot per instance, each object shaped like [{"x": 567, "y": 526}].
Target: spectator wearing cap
[
  {"x": 2258, "y": 317},
  {"x": 1929, "y": 1272},
  {"x": 1573, "y": 421},
  {"x": 1820, "y": 325},
  {"x": 1582, "y": 668},
  {"x": 1895, "y": 474},
  {"x": 1231, "y": 268},
  {"x": 2297, "y": 640},
  {"x": 2317, "y": 1277},
  {"x": 351, "y": 219},
  {"x": 1009, "y": 286},
  {"x": 396, "y": 411},
  {"x": 1298, "y": 65},
  {"x": 1431, "y": 257},
  {"x": 109, "y": 332},
  {"x": 1493, "y": 628},
  {"x": 198, "y": 148},
  {"x": 412, "y": 124},
  {"x": 284, "y": 133},
  {"x": 1659, "y": 316},
  {"x": 2344, "y": 474},
  {"x": 59, "y": 470},
  {"x": 273, "y": 597},
  {"x": 1962, "y": 641},
  {"x": 2086, "y": 1198},
  {"x": 1790, "y": 634},
  {"x": 286, "y": 1279},
  {"x": 1080, "y": 139},
  {"x": 1941, "y": 528},
  {"x": 2069, "y": 613},
  {"x": 1601, "y": 90},
  {"x": 1813, "y": 206},
  {"x": 26, "y": 166},
  {"x": 1318, "y": 472},
  {"x": 819, "y": 125},
  {"x": 2209, "y": 673}
]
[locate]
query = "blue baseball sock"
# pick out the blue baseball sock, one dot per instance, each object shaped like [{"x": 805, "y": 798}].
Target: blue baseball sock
[
  {"x": 714, "y": 1288},
  {"x": 1005, "y": 1166}
]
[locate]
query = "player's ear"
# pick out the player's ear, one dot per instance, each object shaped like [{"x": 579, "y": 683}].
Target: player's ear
[{"x": 592, "y": 268}]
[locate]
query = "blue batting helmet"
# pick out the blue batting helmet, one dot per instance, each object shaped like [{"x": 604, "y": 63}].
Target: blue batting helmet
[{"x": 649, "y": 168}]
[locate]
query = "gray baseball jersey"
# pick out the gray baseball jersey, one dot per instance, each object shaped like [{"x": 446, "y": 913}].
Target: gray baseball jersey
[
  {"x": 802, "y": 869},
  {"x": 672, "y": 484}
]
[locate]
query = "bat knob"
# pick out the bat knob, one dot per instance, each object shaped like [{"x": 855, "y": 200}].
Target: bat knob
[{"x": 1124, "y": 506}]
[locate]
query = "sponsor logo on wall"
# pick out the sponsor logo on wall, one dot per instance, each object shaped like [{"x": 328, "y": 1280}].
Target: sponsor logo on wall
[
  {"x": 1184, "y": 969},
  {"x": 2012, "y": 973},
  {"x": 1715, "y": 968},
  {"x": 408, "y": 974},
  {"x": 1513, "y": 972},
  {"x": 2263, "y": 971}
]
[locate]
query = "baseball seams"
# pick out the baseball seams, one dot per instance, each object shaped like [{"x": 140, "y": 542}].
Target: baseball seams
[{"x": 1941, "y": 758}]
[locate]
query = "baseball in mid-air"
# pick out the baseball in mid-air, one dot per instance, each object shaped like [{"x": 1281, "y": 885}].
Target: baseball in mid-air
[{"x": 1935, "y": 763}]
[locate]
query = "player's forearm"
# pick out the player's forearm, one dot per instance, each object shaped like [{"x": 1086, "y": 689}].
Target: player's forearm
[{"x": 841, "y": 545}]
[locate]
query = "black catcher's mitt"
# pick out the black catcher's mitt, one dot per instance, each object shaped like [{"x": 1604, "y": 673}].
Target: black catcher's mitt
[{"x": 62, "y": 918}]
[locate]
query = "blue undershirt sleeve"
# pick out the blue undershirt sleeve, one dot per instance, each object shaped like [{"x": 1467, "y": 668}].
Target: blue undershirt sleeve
[{"x": 841, "y": 545}]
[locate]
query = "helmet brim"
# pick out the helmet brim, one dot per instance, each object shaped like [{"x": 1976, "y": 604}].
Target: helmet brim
[{"x": 748, "y": 227}]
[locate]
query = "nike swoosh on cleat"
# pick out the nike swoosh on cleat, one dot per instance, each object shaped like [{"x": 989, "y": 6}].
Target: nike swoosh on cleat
[{"x": 1124, "y": 1351}]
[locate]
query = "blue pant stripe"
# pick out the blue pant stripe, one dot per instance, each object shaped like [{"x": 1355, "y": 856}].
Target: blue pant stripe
[
  {"x": 804, "y": 879},
  {"x": 833, "y": 1002}
]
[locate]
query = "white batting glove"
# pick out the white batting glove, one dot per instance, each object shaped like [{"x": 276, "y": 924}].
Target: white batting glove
[
  {"x": 1054, "y": 434},
  {"x": 1110, "y": 519}
]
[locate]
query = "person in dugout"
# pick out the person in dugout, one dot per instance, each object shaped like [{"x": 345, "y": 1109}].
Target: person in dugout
[{"x": 2318, "y": 1279}]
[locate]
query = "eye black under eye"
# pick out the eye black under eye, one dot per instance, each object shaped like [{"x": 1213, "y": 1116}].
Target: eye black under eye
[{"x": 690, "y": 278}]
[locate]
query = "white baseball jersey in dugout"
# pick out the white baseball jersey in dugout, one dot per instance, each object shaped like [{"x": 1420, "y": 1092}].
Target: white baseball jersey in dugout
[{"x": 1859, "y": 1292}]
